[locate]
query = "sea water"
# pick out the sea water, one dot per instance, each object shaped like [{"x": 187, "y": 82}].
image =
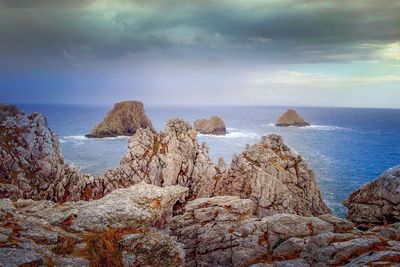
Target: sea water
[{"x": 346, "y": 147}]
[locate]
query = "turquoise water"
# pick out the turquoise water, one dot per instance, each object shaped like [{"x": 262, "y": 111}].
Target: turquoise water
[{"x": 345, "y": 147}]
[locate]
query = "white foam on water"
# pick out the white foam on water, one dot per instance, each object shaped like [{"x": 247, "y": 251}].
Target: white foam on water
[
  {"x": 83, "y": 138},
  {"x": 314, "y": 127},
  {"x": 233, "y": 133}
]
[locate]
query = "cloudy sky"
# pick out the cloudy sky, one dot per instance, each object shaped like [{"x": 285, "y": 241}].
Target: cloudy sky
[{"x": 192, "y": 52}]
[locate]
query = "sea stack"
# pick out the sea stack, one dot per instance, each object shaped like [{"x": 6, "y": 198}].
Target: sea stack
[
  {"x": 124, "y": 119},
  {"x": 214, "y": 125},
  {"x": 291, "y": 118}
]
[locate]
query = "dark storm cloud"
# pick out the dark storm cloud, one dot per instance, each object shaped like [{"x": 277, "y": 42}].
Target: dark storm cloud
[{"x": 58, "y": 32}]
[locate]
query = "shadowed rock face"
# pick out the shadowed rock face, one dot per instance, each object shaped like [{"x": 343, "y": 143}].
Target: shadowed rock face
[
  {"x": 291, "y": 118},
  {"x": 215, "y": 125},
  {"x": 377, "y": 202},
  {"x": 124, "y": 119},
  {"x": 7, "y": 110}
]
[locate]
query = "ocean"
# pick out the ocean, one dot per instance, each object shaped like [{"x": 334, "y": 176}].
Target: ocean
[{"x": 346, "y": 147}]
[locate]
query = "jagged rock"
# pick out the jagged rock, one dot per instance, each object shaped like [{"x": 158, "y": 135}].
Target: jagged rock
[
  {"x": 30, "y": 156},
  {"x": 377, "y": 202},
  {"x": 269, "y": 173},
  {"x": 124, "y": 119},
  {"x": 214, "y": 125},
  {"x": 221, "y": 231},
  {"x": 32, "y": 166},
  {"x": 168, "y": 158},
  {"x": 275, "y": 178},
  {"x": 291, "y": 118},
  {"x": 7, "y": 110},
  {"x": 93, "y": 232}
]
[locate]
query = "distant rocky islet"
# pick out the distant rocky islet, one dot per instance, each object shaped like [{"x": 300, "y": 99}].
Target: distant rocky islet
[
  {"x": 265, "y": 208},
  {"x": 291, "y": 118},
  {"x": 214, "y": 126}
]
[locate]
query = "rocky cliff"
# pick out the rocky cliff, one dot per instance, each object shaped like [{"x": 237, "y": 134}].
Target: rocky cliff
[
  {"x": 124, "y": 119},
  {"x": 291, "y": 118},
  {"x": 30, "y": 158},
  {"x": 274, "y": 215},
  {"x": 377, "y": 202},
  {"x": 269, "y": 172},
  {"x": 214, "y": 125}
]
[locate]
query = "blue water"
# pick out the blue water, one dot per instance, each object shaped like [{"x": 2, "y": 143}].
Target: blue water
[{"x": 345, "y": 147}]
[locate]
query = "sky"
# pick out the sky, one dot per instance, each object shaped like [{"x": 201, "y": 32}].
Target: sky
[{"x": 201, "y": 52}]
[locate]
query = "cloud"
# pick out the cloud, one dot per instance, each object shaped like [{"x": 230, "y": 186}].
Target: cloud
[
  {"x": 295, "y": 79},
  {"x": 255, "y": 31}
]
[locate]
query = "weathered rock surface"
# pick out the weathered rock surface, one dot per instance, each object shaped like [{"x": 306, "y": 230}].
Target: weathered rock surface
[
  {"x": 31, "y": 163},
  {"x": 377, "y": 202},
  {"x": 112, "y": 231},
  {"x": 214, "y": 125},
  {"x": 221, "y": 231},
  {"x": 7, "y": 110},
  {"x": 291, "y": 118},
  {"x": 269, "y": 173},
  {"x": 168, "y": 158},
  {"x": 275, "y": 178},
  {"x": 124, "y": 119}
]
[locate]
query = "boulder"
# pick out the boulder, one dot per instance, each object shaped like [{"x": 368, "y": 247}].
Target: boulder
[
  {"x": 7, "y": 110},
  {"x": 214, "y": 125},
  {"x": 124, "y": 119},
  {"x": 113, "y": 231},
  {"x": 291, "y": 118},
  {"x": 377, "y": 202}
]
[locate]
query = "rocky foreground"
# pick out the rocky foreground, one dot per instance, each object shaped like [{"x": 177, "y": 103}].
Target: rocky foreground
[
  {"x": 167, "y": 204},
  {"x": 124, "y": 119}
]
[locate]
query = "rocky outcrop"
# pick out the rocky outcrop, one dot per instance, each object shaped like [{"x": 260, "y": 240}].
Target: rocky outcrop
[
  {"x": 124, "y": 119},
  {"x": 31, "y": 163},
  {"x": 221, "y": 231},
  {"x": 261, "y": 224},
  {"x": 275, "y": 178},
  {"x": 377, "y": 202},
  {"x": 214, "y": 125},
  {"x": 268, "y": 173},
  {"x": 113, "y": 231},
  {"x": 7, "y": 110},
  {"x": 291, "y": 118}
]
